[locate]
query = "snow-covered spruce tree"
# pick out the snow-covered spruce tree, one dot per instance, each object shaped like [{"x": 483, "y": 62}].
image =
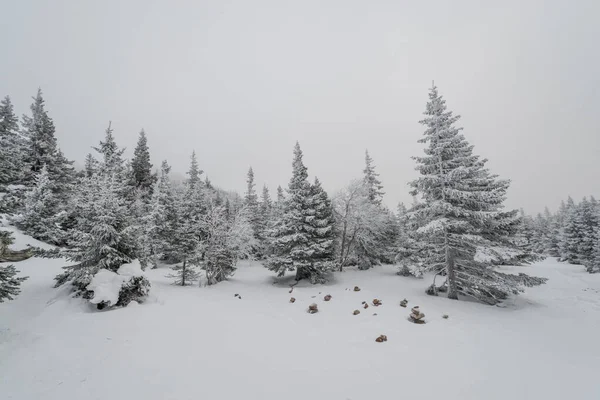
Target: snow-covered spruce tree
[
  {"x": 461, "y": 212},
  {"x": 9, "y": 282},
  {"x": 593, "y": 265},
  {"x": 386, "y": 233},
  {"x": 265, "y": 211},
  {"x": 160, "y": 223},
  {"x": 321, "y": 243},
  {"x": 558, "y": 222},
  {"x": 525, "y": 242},
  {"x": 40, "y": 141},
  {"x": 40, "y": 216},
  {"x": 541, "y": 227},
  {"x": 253, "y": 208},
  {"x": 111, "y": 161},
  {"x": 11, "y": 159},
  {"x": 90, "y": 165},
  {"x": 142, "y": 176},
  {"x": 41, "y": 149},
  {"x": 105, "y": 241},
  {"x": 291, "y": 234},
  {"x": 185, "y": 248},
  {"x": 11, "y": 148},
  {"x": 226, "y": 241},
  {"x": 588, "y": 211},
  {"x": 570, "y": 233},
  {"x": 372, "y": 182}
]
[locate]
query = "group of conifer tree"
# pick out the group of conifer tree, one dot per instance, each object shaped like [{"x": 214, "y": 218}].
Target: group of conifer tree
[
  {"x": 572, "y": 234},
  {"x": 115, "y": 211}
]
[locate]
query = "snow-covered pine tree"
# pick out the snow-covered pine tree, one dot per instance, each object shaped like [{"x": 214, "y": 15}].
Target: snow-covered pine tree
[
  {"x": 105, "y": 241},
  {"x": 9, "y": 282},
  {"x": 160, "y": 224},
  {"x": 321, "y": 243},
  {"x": 593, "y": 266},
  {"x": 11, "y": 146},
  {"x": 188, "y": 235},
  {"x": 40, "y": 141},
  {"x": 541, "y": 228},
  {"x": 112, "y": 161},
  {"x": 570, "y": 233},
  {"x": 219, "y": 260},
  {"x": 265, "y": 211},
  {"x": 253, "y": 208},
  {"x": 40, "y": 216},
  {"x": 588, "y": 211},
  {"x": 525, "y": 242},
  {"x": 141, "y": 167},
  {"x": 461, "y": 211},
  {"x": 194, "y": 172},
  {"x": 90, "y": 165},
  {"x": 291, "y": 234},
  {"x": 372, "y": 182}
]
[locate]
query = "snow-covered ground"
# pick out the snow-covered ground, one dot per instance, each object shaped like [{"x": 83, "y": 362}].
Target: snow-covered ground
[{"x": 192, "y": 343}]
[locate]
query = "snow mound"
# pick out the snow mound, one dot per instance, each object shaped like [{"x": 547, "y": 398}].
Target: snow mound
[{"x": 107, "y": 285}]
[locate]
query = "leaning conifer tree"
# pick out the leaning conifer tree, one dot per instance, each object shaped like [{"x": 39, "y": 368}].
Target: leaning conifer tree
[{"x": 461, "y": 212}]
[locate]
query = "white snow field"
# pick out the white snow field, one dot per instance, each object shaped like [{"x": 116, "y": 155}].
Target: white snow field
[{"x": 205, "y": 343}]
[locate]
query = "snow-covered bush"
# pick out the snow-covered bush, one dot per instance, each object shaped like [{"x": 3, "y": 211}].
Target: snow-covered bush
[{"x": 108, "y": 289}]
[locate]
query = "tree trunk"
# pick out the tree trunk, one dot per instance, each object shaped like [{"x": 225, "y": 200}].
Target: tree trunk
[
  {"x": 183, "y": 272},
  {"x": 343, "y": 246},
  {"x": 450, "y": 269}
]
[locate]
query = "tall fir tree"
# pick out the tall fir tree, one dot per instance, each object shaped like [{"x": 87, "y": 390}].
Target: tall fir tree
[
  {"x": 292, "y": 234},
  {"x": 106, "y": 241},
  {"x": 253, "y": 208},
  {"x": 40, "y": 141},
  {"x": 90, "y": 165},
  {"x": 112, "y": 156},
  {"x": 570, "y": 234},
  {"x": 194, "y": 172},
  {"x": 40, "y": 216},
  {"x": 461, "y": 212},
  {"x": 141, "y": 167},
  {"x": 11, "y": 146},
  {"x": 159, "y": 225},
  {"x": 374, "y": 186},
  {"x": 321, "y": 243},
  {"x": 588, "y": 214}
]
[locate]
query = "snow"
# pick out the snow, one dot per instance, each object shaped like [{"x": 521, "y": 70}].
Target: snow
[
  {"x": 196, "y": 342},
  {"x": 21, "y": 241},
  {"x": 131, "y": 269}
]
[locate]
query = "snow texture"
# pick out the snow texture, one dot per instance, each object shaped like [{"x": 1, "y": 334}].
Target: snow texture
[{"x": 191, "y": 342}]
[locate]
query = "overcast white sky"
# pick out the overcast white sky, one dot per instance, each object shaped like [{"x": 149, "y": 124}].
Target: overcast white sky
[{"x": 241, "y": 81}]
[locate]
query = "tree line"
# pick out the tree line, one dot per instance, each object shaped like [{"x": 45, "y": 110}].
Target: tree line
[{"x": 115, "y": 211}]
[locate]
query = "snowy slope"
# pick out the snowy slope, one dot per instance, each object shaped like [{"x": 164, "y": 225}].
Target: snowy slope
[{"x": 191, "y": 343}]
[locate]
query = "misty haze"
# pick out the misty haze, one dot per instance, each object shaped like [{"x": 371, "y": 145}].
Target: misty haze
[{"x": 299, "y": 200}]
